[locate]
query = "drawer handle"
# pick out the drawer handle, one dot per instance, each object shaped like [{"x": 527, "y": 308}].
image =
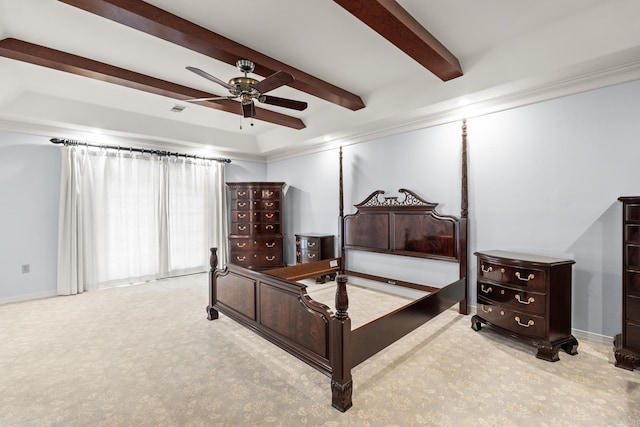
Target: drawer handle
[
  {"x": 242, "y": 205},
  {"x": 241, "y": 245},
  {"x": 269, "y": 204},
  {"x": 241, "y": 258},
  {"x": 524, "y": 325},
  {"x": 269, "y": 193},
  {"x": 485, "y": 309},
  {"x": 525, "y": 279},
  {"x": 242, "y": 193},
  {"x": 269, "y": 245},
  {"x": 270, "y": 258},
  {"x": 527, "y": 302},
  {"x": 487, "y": 290},
  {"x": 242, "y": 227},
  {"x": 269, "y": 227},
  {"x": 488, "y": 270},
  {"x": 269, "y": 215},
  {"x": 242, "y": 215},
  {"x": 298, "y": 253},
  {"x": 311, "y": 244},
  {"x": 311, "y": 256}
]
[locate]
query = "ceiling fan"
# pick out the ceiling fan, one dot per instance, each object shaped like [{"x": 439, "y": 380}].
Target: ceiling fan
[{"x": 246, "y": 89}]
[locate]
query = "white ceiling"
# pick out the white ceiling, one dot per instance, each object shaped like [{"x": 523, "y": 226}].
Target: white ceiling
[{"x": 512, "y": 52}]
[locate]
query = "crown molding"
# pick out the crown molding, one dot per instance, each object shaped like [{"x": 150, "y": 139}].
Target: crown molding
[{"x": 532, "y": 93}]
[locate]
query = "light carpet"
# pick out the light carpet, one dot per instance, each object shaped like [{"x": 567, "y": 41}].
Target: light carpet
[{"x": 146, "y": 355}]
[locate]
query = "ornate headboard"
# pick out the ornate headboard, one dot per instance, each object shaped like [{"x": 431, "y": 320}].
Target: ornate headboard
[
  {"x": 409, "y": 225},
  {"x": 402, "y": 225}
]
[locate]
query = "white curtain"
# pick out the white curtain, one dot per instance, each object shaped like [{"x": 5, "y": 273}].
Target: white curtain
[{"x": 126, "y": 218}]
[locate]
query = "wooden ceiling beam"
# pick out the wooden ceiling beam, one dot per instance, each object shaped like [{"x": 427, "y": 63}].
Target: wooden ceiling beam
[
  {"x": 394, "y": 23},
  {"x": 63, "y": 61},
  {"x": 164, "y": 25}
]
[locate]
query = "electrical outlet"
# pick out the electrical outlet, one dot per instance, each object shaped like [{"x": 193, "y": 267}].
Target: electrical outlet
[{"x": 26, "y": 268}]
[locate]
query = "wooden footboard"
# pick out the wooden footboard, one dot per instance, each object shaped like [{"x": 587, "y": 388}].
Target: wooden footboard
[
  {"x": 281, "y": 311},
  {"x": 277, "y": 309}
]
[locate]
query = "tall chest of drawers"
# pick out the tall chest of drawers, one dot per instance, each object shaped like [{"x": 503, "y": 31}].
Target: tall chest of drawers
[
  {"x": 255, "y": 233},
  {"x": 526, "y": 297},
  {"x": 627, "y": 344}
]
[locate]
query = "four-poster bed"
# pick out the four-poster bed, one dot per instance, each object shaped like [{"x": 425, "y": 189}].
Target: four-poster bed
[{"x": 274, "y": 305}]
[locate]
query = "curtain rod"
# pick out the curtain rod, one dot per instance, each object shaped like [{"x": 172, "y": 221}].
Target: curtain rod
[{"x": 137, "y": 150}]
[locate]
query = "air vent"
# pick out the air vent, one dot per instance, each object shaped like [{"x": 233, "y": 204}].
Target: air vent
[{"x": 178, "y": 108}]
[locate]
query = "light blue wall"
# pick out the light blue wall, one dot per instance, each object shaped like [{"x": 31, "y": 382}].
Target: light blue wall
[
  {"x": 29, "y": 191},
  {"x": 543, "y": 179}
]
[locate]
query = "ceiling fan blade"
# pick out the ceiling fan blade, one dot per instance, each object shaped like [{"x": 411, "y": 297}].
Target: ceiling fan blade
[
  {"x": 275, "y": 80},
  {"x": 283, "y": 102},
  {"x": 208, "y": 76},
  {"x": 215, "y": 98},
  {"x": 249, "y": 110}
]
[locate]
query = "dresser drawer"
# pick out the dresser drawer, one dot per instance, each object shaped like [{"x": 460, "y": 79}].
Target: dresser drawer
[
  {"x": 528, "y": 278},
  {"x": 309, "y": 243},
  {"x": 307, "y": 256},
  {"x": 633, "y": 283},
  {"x": 270, "y": 216},
  {"x": 255, "y": 216},
  {"x": 269, "y": 205},
  {"x": 269, "y": 194},
  {"x": 243, "y": 193},
  {"x": 516, "y": 321},
  {"x": 254, "y": 228},
  {"x": 632, "y": 308},
  {"x": 632, "y": 233},
  {"x": 632, "y": 334},
  {"x": 256, "y": 258},
  {"x": 254, "y": 244},
  {"x": 267, "y": 259},
  {"x": 632, "y": 212},
  {"x": 241, "y": 204},
  {"x": 244, "y": 215},
  {"x": 632, "y": 255},
  {"x": 512, "y": 298},
  {"x": 242, "y": 227}
]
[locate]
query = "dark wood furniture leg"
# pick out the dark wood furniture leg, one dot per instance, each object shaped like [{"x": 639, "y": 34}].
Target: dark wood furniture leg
[
  {"x": 341, "y": 382},
  {"x": 625, "y": 359},
  {"x": 549, "y": 352},
  {"x": 212, "y": 313}
]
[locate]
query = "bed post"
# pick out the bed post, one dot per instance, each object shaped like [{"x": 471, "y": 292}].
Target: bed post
[
  {"x": 341, "y": 382},
  {"x": 341, "y": 216},
  {"x": 341, "y": 222},
  {"x": 464, "y": 223},
  {"x": 212, "y": 313}
]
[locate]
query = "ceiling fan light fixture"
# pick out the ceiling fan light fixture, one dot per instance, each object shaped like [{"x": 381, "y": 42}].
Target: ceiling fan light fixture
[{"x": 245, "y": 65}]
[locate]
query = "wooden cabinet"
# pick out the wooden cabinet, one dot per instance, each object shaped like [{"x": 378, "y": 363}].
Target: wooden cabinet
[
  {"x": 314, "y": 247},
  {"x": 255, "y": 233},
  {"x": 627, "y": 343},
  {"x": 526, "y": 297}
]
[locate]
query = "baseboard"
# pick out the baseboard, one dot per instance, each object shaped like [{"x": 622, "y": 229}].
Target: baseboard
[
  {"x": 592, "y": 337},
  {"x": 27, "y": 297}
]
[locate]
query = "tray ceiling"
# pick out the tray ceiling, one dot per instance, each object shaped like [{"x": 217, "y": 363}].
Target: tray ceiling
[{"x": 112, "y": 70}]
